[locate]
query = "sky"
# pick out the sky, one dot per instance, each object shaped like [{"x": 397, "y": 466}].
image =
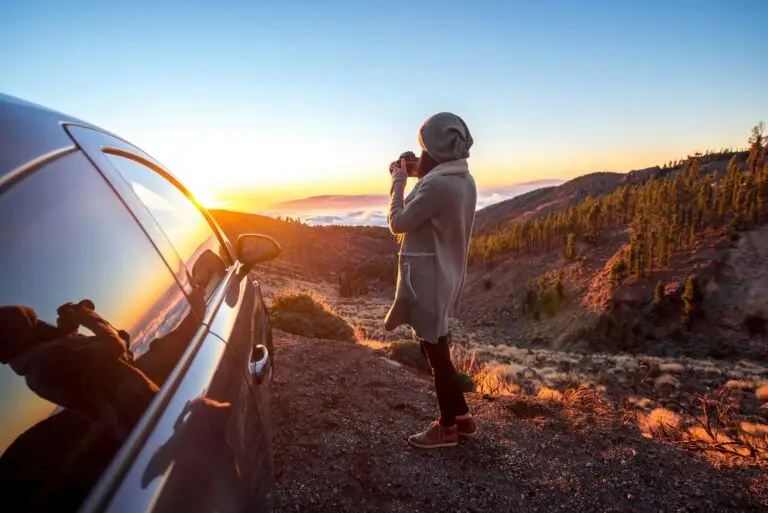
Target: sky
[{"x": 255, "y": 102}]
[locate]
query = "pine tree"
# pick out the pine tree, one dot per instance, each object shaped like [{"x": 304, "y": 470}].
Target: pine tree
[
  {"x": 674, "y": 232},
  {"x": 663, "y": 250},
  {"x": 756, "y": 148},
  {"x": 691, "y": 298},
  {"x": 619, "y": 270},
  {"x": 570, "y": 246}
]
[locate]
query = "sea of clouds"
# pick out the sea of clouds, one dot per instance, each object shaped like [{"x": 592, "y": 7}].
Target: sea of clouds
[{"x": 373, "y": 210}]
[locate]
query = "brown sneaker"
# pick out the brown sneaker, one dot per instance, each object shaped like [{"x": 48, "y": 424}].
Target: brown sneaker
[
  {"x": 466, "y": 426},
  {"x": 435, "y": 436}
]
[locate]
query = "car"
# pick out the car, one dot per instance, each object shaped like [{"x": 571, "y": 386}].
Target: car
[{"x": 135, "y": 346}]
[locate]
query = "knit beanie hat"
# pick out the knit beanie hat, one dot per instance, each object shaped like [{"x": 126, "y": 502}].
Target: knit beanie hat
[{"x": 445, "y": 137}]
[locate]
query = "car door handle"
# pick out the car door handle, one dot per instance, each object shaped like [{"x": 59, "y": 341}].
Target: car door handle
[{"x": 259, "y": 366}]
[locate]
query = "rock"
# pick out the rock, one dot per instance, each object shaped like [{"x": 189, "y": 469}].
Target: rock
[
  {"x": 672, "y": 368},
  {"x": 666, "y": 381}
]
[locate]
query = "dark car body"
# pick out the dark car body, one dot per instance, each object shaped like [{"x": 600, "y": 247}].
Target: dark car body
[{"x": 135, "y": 348}]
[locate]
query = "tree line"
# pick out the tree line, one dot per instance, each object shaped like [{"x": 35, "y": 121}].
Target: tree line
[{"x": 663, "y": 214}]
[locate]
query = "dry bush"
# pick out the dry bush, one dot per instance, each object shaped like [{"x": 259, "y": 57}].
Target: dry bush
[
  {"x": 488, "y": 379},
  {"x": 308, "y": 315},
  {"x": 715, "y": 429},
  {"x": 587, "y": 399},
  {"x": 658, "y": 421},
  {"x": 762, "y": 392},
  {"x": 549, "y": 394}
]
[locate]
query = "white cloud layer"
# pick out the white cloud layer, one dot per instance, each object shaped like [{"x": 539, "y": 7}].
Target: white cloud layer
[{"x": 378, "y": 216}]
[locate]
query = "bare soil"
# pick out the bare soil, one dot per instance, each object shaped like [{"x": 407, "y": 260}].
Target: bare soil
[{"x": 343, "y": 414}]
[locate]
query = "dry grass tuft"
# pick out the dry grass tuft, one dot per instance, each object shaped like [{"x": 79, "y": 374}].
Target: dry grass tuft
[
  {"x": 762, "y": 392},
  {"x": 488, "y": 379},
  {"x": 660, "y": 420},
  {"x": 549, "y": 394},
  {"x": 587, "y": 399},
  {"x": 740, "y": 384}
]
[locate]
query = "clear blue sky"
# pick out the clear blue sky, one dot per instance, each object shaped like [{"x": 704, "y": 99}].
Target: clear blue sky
[{"x": 318, "y": 96}]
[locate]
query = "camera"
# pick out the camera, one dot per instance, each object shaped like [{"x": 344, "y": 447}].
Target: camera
[
  {"x": 69, "y": 314},
  {"x": 409, "y": 162}
]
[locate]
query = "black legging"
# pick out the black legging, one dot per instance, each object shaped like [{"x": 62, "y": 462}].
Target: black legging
[{"x": 450, "y": 398}]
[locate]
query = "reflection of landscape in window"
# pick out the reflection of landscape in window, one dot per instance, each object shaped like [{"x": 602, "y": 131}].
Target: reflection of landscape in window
[
  {"x": 160, "y": 320},
  {"x": 177, "y": 216}
]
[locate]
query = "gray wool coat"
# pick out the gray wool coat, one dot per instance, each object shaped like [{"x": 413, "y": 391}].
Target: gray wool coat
[{"x": 435, "y": 222}]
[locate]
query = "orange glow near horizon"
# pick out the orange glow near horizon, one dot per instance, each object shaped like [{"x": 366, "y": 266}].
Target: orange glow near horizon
[{"x": 488, "y": 173}]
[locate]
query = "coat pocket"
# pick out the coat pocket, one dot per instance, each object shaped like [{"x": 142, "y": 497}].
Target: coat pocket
[
  {"x": 404, "y": 288},
  {"x": 419, "y": 279}
]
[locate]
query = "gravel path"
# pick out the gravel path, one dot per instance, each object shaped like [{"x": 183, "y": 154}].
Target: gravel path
[{"x": 342, "y": 417}]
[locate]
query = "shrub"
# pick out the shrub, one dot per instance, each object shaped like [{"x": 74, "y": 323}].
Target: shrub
[
  {"x": 408, "y": 352},
  {"x": 618, "y": 271},
  {"x": 658, "y": 295},
  {"x": 466, "y": 383},
  {"x": 356, "y": 281},
  {"x": 560, "y": 287},
  {"x": 303, "y": 314},
  {"x": 549, "y": 302}
]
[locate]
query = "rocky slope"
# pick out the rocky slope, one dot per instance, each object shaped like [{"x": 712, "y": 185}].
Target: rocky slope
[{"x": 343, "y": 414}]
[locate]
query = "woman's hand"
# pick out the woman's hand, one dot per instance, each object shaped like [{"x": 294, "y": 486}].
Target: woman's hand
[{"x": 397, "y": 172}]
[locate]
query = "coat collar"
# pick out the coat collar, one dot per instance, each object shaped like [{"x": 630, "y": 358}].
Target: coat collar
[{"x": 453, "y": 167}]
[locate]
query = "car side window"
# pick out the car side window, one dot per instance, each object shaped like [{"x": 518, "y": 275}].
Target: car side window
[
  {"x": 188, "y": 230},
  {"x": 92, "y": 322}
]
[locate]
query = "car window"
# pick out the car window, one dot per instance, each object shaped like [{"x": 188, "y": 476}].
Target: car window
[
  {"x": 92, "y": 322},
  {"x": 185, "y": 226}
]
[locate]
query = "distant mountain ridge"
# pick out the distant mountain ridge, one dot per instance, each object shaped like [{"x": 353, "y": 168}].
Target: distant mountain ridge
[{"x": 340, "y": 202}]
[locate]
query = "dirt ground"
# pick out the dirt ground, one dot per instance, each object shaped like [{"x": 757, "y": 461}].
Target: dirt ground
[{"x": 342, "y": 417}]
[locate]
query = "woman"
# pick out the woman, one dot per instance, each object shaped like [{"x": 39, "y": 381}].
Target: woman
[{"x": 434, "y": 224}]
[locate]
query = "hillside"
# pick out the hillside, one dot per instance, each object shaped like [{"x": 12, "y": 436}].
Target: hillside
[
  {"x": 547, "y": 199},
  {"x": 628, "y": 239},
  {"x": 311, "y": 253}
]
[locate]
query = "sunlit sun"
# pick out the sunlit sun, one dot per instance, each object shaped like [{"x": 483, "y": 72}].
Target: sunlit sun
[{"x": 207, "y": 200}]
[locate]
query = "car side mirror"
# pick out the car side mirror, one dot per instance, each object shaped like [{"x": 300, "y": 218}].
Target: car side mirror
[{"x": 254, "y": 248}]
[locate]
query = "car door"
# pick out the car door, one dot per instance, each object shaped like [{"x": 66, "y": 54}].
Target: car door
[
  {"x": 103, "y": 360},
  {"x": 232, "y": 309}
]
